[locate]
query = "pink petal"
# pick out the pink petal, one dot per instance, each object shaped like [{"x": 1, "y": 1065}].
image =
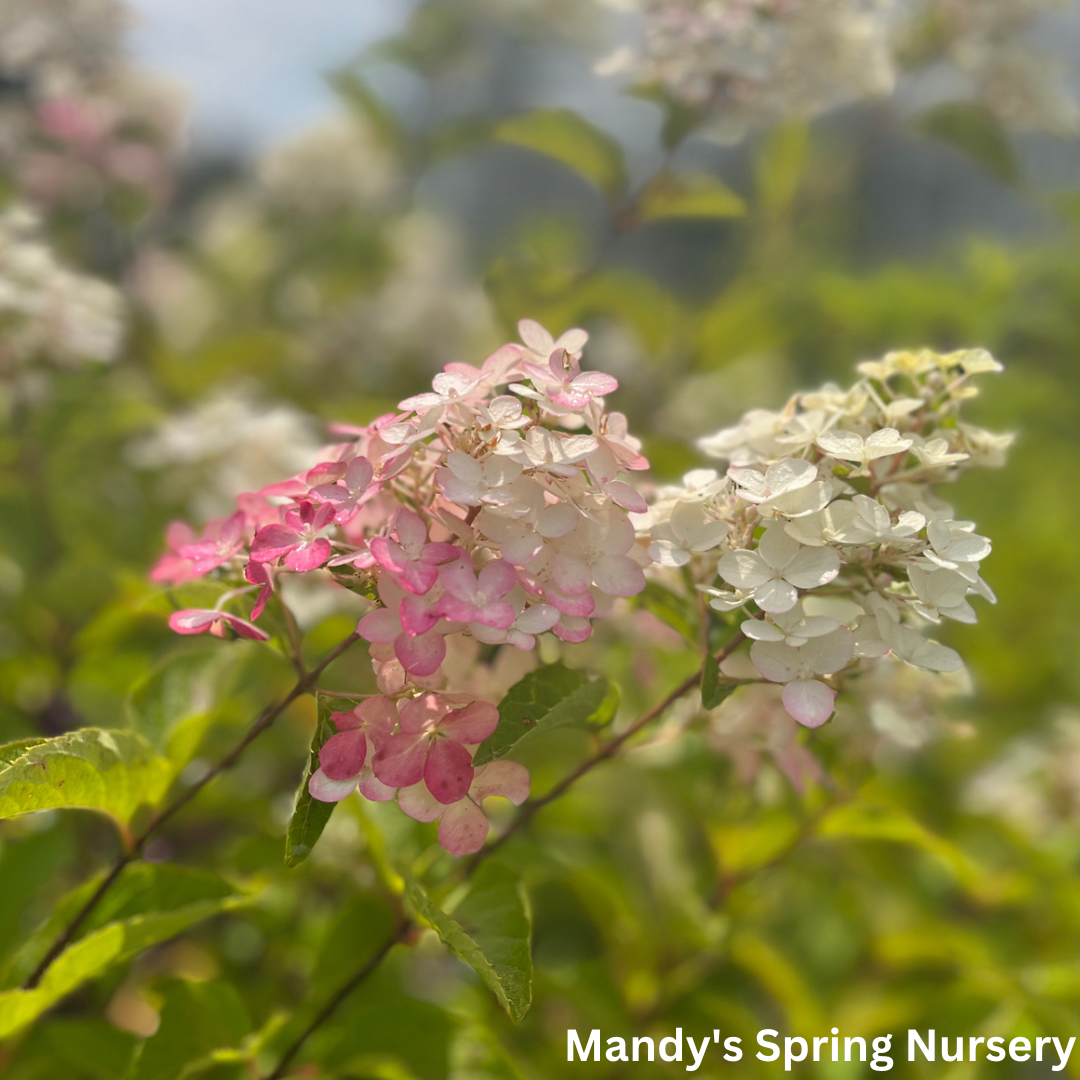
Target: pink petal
[
  {"x": 381, "y": 625},
  {"x": 618, "y": 575},
  {"x": 193, "y": 620},
  {"x": 472, "y": 724},
  {"x": 308, "y": 556},
  {"x": 463, "y": 828},
  {"x": 579, "y": 606},
  {"x": 374, "y": 789},
  {"x": 244, "y": 628},
  {"x": 422, "y": 714},
  {"x": 379, "y": 715},
  {"x": 410, "y": 528},
  {"x": 321, "y": 787},
  {"x": 421, "y": 655},
  {"x": 418, "y": 577},
  {"x": 629, "y": 498},
  {"x": 595, "y": 382},
  {"x": 448, "y": 771},
  {"x": 273, "y": 541},
  {"x": 506, "y": 779},
  {"x": 571, "y": 573},
  {"x": 343, "y": 755},
  {"x": 400, "y": 761},
  {"x": 498, "y": 614},
  {"x": 497, "y": 579},
  {"x": 809, "y": 701},
  {"x": 418, "y": 616},
  {"x": 572, "y": 629},
  {"x": 388, "y": 554},
  {"x": 416, "y": 801}
]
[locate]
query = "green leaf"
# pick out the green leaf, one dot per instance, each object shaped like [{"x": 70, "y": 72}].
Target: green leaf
[
  {"x": 489, "y": 930},
  {"x": 689, "y": 195},
  {"x": 113, "y": 772},
  {"x": 310, "y": 815},
  {"x": 142, "y": 888},
  {"x": 12, "y": 751},
  {"x": 680, "y": 119},
  {"x": 716, "y": 688},
  {"x": 196, "y": 1020},
  {"x": 100, "y": 950},
  {"x": 973, "y": 130},
  {"x": 577, "y": 144},
  {"x": 547, "y": 698},
  {"x": 72, "y": 1047}
]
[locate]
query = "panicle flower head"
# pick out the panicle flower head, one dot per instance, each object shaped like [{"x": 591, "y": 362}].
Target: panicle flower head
[
  {"x": 480, "y": 509},
  {"x": 831, "y": 545}
]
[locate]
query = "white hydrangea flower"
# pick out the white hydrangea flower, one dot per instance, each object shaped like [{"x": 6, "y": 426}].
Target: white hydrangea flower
[
  {"x": 689, "y": 531},
  {"x": 851, "y": 446},
  {"x": 777, "y": 569}
]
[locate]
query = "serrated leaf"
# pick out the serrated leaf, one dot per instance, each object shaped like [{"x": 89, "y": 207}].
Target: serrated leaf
[
  {"x": 571, "y": 140},
  {"x": 141, "y": 888},
  {"x": 715, "y": 687},
  {"x": 94, "y": 954},
  {"x": 310, "y": 815},
  {"x": 12, "y": 751},
  {"x": 689, "y": 195},
  {"x": 489, "y": 930},
  {"x": 973, "y": 130},
  {"x": 547, "y": 698},
  {"x": 113, "y": 772}
]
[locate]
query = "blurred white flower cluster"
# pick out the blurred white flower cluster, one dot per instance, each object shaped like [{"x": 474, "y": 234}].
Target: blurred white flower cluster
[
  {"x": 833, "y": 546},
  {"x": 745, "y": 62},
  {"x": 748, "y": 61},
  {"x": 1034, "y": 785},
  {"x": 47, "y": 311}
]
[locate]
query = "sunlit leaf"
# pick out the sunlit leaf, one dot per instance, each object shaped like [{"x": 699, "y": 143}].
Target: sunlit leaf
[
  {"x": 113, "y": 772},
  {"x": 489, "y": 930}
]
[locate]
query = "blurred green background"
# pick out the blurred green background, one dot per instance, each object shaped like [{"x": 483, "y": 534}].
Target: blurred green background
[{"x": 928, "y": 879}]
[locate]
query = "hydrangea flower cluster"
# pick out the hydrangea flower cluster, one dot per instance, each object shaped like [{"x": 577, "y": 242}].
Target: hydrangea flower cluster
[
  {"x": 494, "y": 507},
  {"x": 829, "y": 542},
  {"x": 745, "y": 62}
]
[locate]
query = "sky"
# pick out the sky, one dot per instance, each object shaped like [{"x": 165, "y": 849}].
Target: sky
[{"x": 252, "y": 68}]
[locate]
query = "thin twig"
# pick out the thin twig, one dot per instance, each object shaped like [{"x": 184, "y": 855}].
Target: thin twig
[
  {"x": 138, "y": 842},
  {"x": 328, "y": 1010}
]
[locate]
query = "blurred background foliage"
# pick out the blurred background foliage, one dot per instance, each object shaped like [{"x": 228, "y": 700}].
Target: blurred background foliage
[{"x": 476, "y": 173}]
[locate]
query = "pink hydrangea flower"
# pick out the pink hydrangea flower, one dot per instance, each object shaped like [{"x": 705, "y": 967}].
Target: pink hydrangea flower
[
  {"x": 347, "y": 493},
  {"x": 343, "y": 757},
  {"x": 298, "y": 540},
  {"x": 221, "y": 540},
  {"x": 412, "y": 557},
  {"x": 478, "y": 598},
  {"x": 432, "y": 745}
]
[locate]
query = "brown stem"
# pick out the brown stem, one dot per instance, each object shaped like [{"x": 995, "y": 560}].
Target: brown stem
[
  {"x": 343, "y": 991},
  {"x": 138, "y": 842}
]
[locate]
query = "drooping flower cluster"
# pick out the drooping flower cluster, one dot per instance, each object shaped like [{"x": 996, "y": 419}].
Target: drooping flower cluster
[
  {"x": 493, "y": 506},
  {"x": 47, "y": 311},
  {"x": 825, "y": 532},
  {"x": 745, "y": 62}
]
